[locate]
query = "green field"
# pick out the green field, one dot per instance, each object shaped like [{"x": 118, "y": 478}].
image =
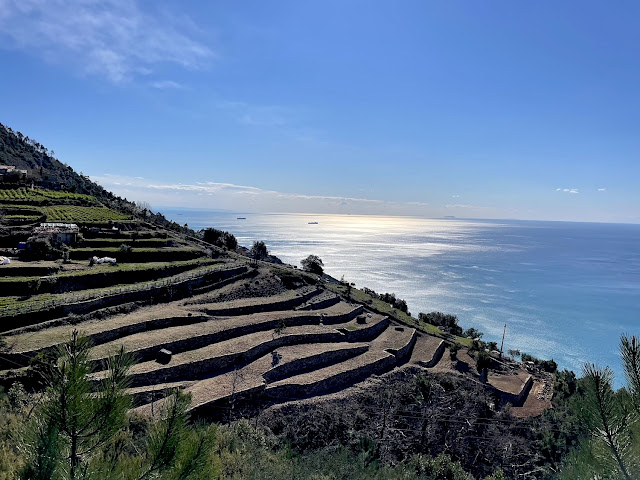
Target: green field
[
  {"x": 37, "y": 196},
  {"x": 78, "y": 214}
]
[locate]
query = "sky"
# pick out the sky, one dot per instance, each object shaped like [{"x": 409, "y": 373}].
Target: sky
[{"x": 493, "y": 109}]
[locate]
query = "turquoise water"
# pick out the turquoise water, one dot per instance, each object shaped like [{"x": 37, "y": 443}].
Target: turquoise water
[{"x": 566, "y": 291}]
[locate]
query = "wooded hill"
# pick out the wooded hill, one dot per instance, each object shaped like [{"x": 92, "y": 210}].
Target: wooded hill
[{"x": 44, "y": 170}]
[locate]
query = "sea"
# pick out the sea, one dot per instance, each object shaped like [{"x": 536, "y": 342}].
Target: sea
[{"x": 564, "y": 290}]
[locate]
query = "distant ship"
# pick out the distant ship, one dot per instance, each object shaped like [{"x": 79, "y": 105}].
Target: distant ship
[
  {"x": 241, "y": 218},
  {"x": 313, "y": 223}
]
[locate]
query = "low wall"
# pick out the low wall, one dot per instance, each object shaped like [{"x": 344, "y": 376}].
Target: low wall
[
  {"x": 518, "y": 399},
  {"x": 329, "y": 301},
  {"x": 27, "y": 271},
  {"x": 139, "y": 242},
  {"x": 367, "y": 333},
  {"x": 110, "y": 335},
  {"x": 89, "y": 280},
  {"x": 331, "y": 320},
  {"x": 182, "y": 345},
  {"x": 405, "y": 351},
  {"x": 200, "y": 368},
  {"x": 287, "y": 304},
  {"x": 218, "y": 409},
  {"x": 313, "y": 362},
  {"x": 10, "y": 359},
  {"x": 334, "y": 382},
  {"x": 437, "y": 355}
]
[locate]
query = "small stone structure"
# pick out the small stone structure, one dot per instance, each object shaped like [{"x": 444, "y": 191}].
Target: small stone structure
[
  {"x": 66, "y": 233},
  {"x": 164, "y": 356}
]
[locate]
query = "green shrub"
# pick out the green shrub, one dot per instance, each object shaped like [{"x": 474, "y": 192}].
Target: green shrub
[
  {"x": 124, "y": 248},
  {"x": 483, "y": 361}
]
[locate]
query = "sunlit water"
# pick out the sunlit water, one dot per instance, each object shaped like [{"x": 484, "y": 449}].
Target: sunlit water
[{"x": 565, "y": 290}]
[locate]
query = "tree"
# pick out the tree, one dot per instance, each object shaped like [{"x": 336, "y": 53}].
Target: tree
[
  {"x": 611, "y": 416},
  {"x": 312, "y": 264},
  {"x": 446, "y": 321},
  {"x": 73, "y": 423},
  {"x": 75, "y": 431},
  {"x": 220, "y": 238},
  {"x": 472, "y": 333},
  {"x": 258, "y": 251},
  {"x": 212, "y": 235},
  {"x": 230, "y": 241}
]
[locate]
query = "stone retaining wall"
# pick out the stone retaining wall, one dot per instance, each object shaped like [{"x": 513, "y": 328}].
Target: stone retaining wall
[
  {"x": 512, "y": 398},
  {"x": 403, "y": 352},
  {"x": 369, "y": 332},
  {"x": 312, "y": 362},
  {"x": 329, "y": 301},
  {"x": 287, "y": 304},
  {"x": 334, "y": 382},
  {"x": 201, "y": 368},
  {"x": 437, "y": 355},
  {"x": 178, "y": 346},
  {"x": 331, "y": 320}
]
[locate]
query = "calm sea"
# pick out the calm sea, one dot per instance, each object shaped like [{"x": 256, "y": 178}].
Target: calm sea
[{"x": 566, "y": 291}]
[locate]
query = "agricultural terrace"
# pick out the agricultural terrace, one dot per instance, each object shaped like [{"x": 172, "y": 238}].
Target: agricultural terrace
[
  {"x": 80, "y": 214},
  {"x": 23, "y": 206},
  {"x": 223, "y": 332},
  {"x": 44, "y": 197}
]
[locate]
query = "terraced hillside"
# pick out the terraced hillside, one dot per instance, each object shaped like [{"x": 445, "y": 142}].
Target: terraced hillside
[
  {"x": 206, "y": 320},
  {"x": 241, "y": 334}
]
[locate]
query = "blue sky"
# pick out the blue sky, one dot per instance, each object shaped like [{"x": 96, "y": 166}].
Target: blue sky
[{"x": 495, "y": 109}]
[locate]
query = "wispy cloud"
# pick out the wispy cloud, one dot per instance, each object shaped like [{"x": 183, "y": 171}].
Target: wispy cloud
[
  {"x": 467, "y": 207},
  {"x": 167, "y": 84},
  {"x": 602, "y": 189},
  {"x": 568, "y": 190},
  {"x": 248, "y": 198},
  {"x": 257, "y": 115},
  {"x": 117, "y": 39}
]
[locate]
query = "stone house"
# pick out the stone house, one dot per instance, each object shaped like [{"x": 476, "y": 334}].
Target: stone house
[{"x": 66, "y": 233}]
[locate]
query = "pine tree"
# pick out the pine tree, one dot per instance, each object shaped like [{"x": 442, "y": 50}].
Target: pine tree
[
  {"x": 610, "y": 416},
  {"x": 75, "y": 430}
]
